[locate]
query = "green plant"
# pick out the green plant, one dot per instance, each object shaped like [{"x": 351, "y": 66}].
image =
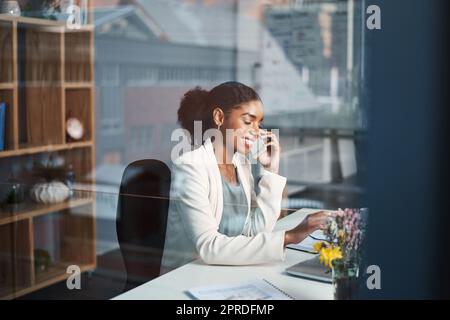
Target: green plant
[
  {"x": 47, "y": 9},
  {"x": 42, "y": 260},
  {"x": 50, "y": 169}
]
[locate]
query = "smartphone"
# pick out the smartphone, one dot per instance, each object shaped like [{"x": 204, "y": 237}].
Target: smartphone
[{"x": 258, "y": 148}]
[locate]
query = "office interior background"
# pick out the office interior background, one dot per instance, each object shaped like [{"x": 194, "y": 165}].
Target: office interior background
[{"x": 327, "y": 83}]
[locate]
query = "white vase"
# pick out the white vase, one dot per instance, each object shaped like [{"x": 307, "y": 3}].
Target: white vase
[
  {"x": 11, "y": 8},
  {"x": 50, "y": 192}
]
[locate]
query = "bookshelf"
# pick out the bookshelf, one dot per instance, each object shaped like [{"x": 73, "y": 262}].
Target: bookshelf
[{"x": 46, "y": 76}]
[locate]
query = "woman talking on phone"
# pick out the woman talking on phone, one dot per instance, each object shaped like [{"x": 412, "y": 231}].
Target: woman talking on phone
[{"x": 215, "y": 211}]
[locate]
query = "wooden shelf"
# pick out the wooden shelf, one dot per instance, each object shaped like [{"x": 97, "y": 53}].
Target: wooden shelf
[
  {"x": 44, "y": 149},
  {"x": 40, "y": 84},
  {"x": 32, "y": 21},
  {"x": 44, "y": 23},
  {"x": 6, "y": 52},
  {"x": 6, "y": 294},
  {"x": 46, "y": 76},
  {"x": 7, "y": 86},
  {"x": 78, "y": 85},
  {"x": 83, "y": 28},
  {"x": 56, "y": 273},
  {"x": 35, "y": 210}
]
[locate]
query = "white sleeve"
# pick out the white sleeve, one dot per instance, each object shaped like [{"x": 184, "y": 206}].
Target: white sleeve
[{"x": 191, "y": 189}]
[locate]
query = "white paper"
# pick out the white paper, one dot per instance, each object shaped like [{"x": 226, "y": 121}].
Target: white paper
[{"x": 251, "y": 290}]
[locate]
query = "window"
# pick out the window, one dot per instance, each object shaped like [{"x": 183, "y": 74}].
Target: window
[{"x": 304, "y": 58}]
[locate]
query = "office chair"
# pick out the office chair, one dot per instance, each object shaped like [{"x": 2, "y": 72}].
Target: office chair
[{"x": 142, "y": 218}]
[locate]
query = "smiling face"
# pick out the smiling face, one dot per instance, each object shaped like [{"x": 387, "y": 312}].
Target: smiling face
[{"x": 245, "y": 121}]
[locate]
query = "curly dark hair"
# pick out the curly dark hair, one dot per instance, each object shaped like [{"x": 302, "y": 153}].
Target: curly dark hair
[{"x": 198, "y": 104}]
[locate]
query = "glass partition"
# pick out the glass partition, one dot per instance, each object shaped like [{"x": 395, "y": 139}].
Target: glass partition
[{"x": 86, "y": 92}]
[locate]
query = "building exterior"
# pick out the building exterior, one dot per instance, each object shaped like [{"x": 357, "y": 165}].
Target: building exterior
[{"x": 150, "y": 52}]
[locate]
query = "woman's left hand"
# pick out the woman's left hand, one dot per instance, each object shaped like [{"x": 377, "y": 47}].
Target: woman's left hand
[{"x": 270, "y": 159}]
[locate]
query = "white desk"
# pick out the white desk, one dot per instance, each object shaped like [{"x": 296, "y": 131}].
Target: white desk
[{"x": 173, "y": 285}]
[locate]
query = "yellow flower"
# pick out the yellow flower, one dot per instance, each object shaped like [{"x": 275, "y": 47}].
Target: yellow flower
[
  {"x": 328, "y": 254},
  {"x": 318, "y": 246}
]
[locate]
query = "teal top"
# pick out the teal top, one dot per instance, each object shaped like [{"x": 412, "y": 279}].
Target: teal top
[{"x": 234, "y": 209}]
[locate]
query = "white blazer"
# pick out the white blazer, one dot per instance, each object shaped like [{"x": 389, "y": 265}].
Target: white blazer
[{"x": 196, "y": 207}]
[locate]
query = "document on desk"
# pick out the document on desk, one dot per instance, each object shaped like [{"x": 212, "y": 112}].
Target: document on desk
[{"x": 259, "y": 289}]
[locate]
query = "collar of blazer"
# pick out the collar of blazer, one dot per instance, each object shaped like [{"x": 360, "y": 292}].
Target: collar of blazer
[{"x": 238, "y": 158}]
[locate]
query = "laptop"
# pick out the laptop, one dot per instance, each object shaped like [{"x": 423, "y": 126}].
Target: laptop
[{"x": 311, "y": 269}]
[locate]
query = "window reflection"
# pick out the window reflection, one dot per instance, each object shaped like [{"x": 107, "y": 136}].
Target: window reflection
[{"x": 303, "y": 57}]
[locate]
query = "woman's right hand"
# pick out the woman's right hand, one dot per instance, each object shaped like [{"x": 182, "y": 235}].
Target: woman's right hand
[{"x": 311, "y": 223}]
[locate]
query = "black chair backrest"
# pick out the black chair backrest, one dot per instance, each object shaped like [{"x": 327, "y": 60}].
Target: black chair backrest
[{"x": 142, "y": 218}]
